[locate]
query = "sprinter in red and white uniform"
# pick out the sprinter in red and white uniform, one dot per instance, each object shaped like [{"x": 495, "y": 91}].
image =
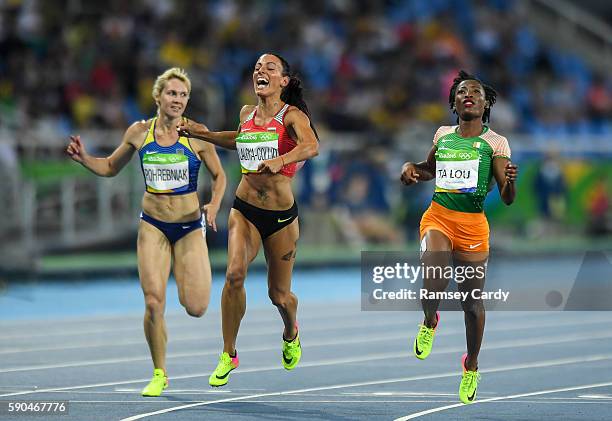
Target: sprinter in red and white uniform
[{"x": 273, "y": 140}]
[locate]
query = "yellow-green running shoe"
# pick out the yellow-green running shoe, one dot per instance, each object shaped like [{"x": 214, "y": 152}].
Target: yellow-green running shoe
[
  {"x": 292, "y": 352},
  {"x": 469, "y": 383},
  {"x": 221, "y": 374},
  {"x": 424, "y": 339},
  {"x": 157, "y": 384}
]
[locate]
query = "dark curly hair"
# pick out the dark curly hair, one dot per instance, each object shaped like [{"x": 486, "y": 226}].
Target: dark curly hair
[{"x": 490, "y": 93}]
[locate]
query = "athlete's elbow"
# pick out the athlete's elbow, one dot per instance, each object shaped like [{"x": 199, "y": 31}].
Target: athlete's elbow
[
  {"x": 110, "y": 172},
  {"x": 219, "y": 178},
  {"x": 314, "y": 151}
]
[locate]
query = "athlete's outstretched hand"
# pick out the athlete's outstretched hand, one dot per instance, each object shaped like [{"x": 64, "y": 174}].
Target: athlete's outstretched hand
[
  {"x": 272, "y": 166},
  {"x": 409, "y": 174},
  {"x": 76, "y": 149},
  {"x": 210, "y": 212},
  {"x": 189, "y": 128},
  {"x": 511, "y": 172}
]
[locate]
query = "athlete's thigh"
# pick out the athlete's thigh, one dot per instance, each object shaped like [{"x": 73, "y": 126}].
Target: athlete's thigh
[
  {"x": 435, "y": 241},
  {"x": 192, "y": 267},
  {"x": 243, "y": 243},
  {"x": 435, "y": 248},
  {"x": 281, "y": 250},
  {"x": 154, "y": 256}
]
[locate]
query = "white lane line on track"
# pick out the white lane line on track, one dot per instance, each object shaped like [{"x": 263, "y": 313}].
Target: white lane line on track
[
  {"x": 539, "y": 364},
  {"x": 606, "y": 397},
  {"x": 170, "y": 390},
  {"x": 338, "y": 341},
  {"x": 503, "y": 398},
  {"x": 403, "y": 394}
]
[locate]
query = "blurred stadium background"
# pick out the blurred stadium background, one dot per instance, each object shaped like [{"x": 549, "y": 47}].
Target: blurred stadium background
[{"x": 377, "y": 75}]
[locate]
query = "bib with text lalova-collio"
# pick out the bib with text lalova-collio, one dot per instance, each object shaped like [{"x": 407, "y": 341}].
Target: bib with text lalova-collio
[
  {"x": 256, "y": 147},
  {"x": 456, "y": 170},
  {"x": 166, "y": 172}
]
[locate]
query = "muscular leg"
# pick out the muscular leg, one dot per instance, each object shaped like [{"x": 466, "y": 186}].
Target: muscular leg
[
  {"x": 192, "y": 272},
  {"x": 474, "y": 311},
  {"x": 154, "y": 268},
  {"x": 244, "y": 242},
  {"x": 281, "y": 249},
  {"x": 435, "y": 256}
]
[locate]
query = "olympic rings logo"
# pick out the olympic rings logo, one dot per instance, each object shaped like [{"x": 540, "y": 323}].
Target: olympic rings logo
[{"x": 465, "y": 155}]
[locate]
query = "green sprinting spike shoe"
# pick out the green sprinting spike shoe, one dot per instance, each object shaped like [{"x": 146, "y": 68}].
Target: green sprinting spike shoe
[
  {"x": 226, "y": 364},
  {"x": 424, "y": 339},
  {"x": 157, "y": 384},
  {"x": 292, "y": 352},
  {"x": 469, "y": 383}
]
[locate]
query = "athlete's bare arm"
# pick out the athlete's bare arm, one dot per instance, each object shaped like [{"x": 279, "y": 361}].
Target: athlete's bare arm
[
  {"x": 208, "y": 155},
  {"x": 111, "y": 165},
  {"x": 227, "y": 139},
  {"x": 505, "y": 173},
  {"x": 421, "y": 171},
  {"x": 298, "y": 125}
]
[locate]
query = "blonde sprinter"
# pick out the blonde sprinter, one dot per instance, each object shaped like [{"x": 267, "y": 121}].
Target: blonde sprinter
[{"x": 172, "y": 227}]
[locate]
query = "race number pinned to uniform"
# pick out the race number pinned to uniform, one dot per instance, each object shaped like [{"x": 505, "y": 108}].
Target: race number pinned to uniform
[
  {"x": 256, "y": 147},
  {"x": 456, "y": 170},
  {"x": 165, "y": 172}
]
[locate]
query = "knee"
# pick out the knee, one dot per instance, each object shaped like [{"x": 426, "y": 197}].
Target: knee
[
  {"x": 154, "y": 305},
  {"x": 196, "y": 310},
  {"x": 235, "y": 276},
  {"x": 279, "y": 297},
  {"x": 474, "y": 308}
]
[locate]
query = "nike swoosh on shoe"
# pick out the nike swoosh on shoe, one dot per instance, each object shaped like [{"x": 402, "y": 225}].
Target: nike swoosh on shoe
[{"x": 223, "y": 376}]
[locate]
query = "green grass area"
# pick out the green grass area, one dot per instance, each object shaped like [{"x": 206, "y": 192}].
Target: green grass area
[{"x": 50, "y": 172}]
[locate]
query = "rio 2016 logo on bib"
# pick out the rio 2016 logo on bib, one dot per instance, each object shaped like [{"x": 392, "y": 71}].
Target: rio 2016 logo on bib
[{"x": 456, "y": 171}]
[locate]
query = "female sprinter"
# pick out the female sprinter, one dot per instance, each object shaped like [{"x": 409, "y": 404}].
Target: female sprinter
[
  {"x": 273, "y": 139},
  {"x": 171, "y": 226},
  {"x": 463, "y": 160}
]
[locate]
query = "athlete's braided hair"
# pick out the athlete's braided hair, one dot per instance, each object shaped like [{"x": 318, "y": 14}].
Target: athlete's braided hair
[
  {"x": 490, "y": 93},
  {"x": 292, "y": 94}
]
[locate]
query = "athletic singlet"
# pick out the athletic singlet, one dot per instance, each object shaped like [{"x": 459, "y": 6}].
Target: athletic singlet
[
  {"x": 168, "y": 169},
  {"x": 463, "y": 167},
  {"x": 260, "y": 143}
]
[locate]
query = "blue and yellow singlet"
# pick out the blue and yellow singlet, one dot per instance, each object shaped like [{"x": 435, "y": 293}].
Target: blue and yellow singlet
[{"x": 168, "y": 169}]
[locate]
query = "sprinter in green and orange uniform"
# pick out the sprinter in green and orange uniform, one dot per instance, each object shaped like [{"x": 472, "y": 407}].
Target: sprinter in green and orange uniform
[{"x": 463, "y": 160}]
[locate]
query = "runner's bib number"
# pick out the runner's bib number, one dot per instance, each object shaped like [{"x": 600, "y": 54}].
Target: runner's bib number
[
  {"x": 456, "y": 171},
  {"x": 166, "y": 172},
  {"x": 254, "y": 148}
]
